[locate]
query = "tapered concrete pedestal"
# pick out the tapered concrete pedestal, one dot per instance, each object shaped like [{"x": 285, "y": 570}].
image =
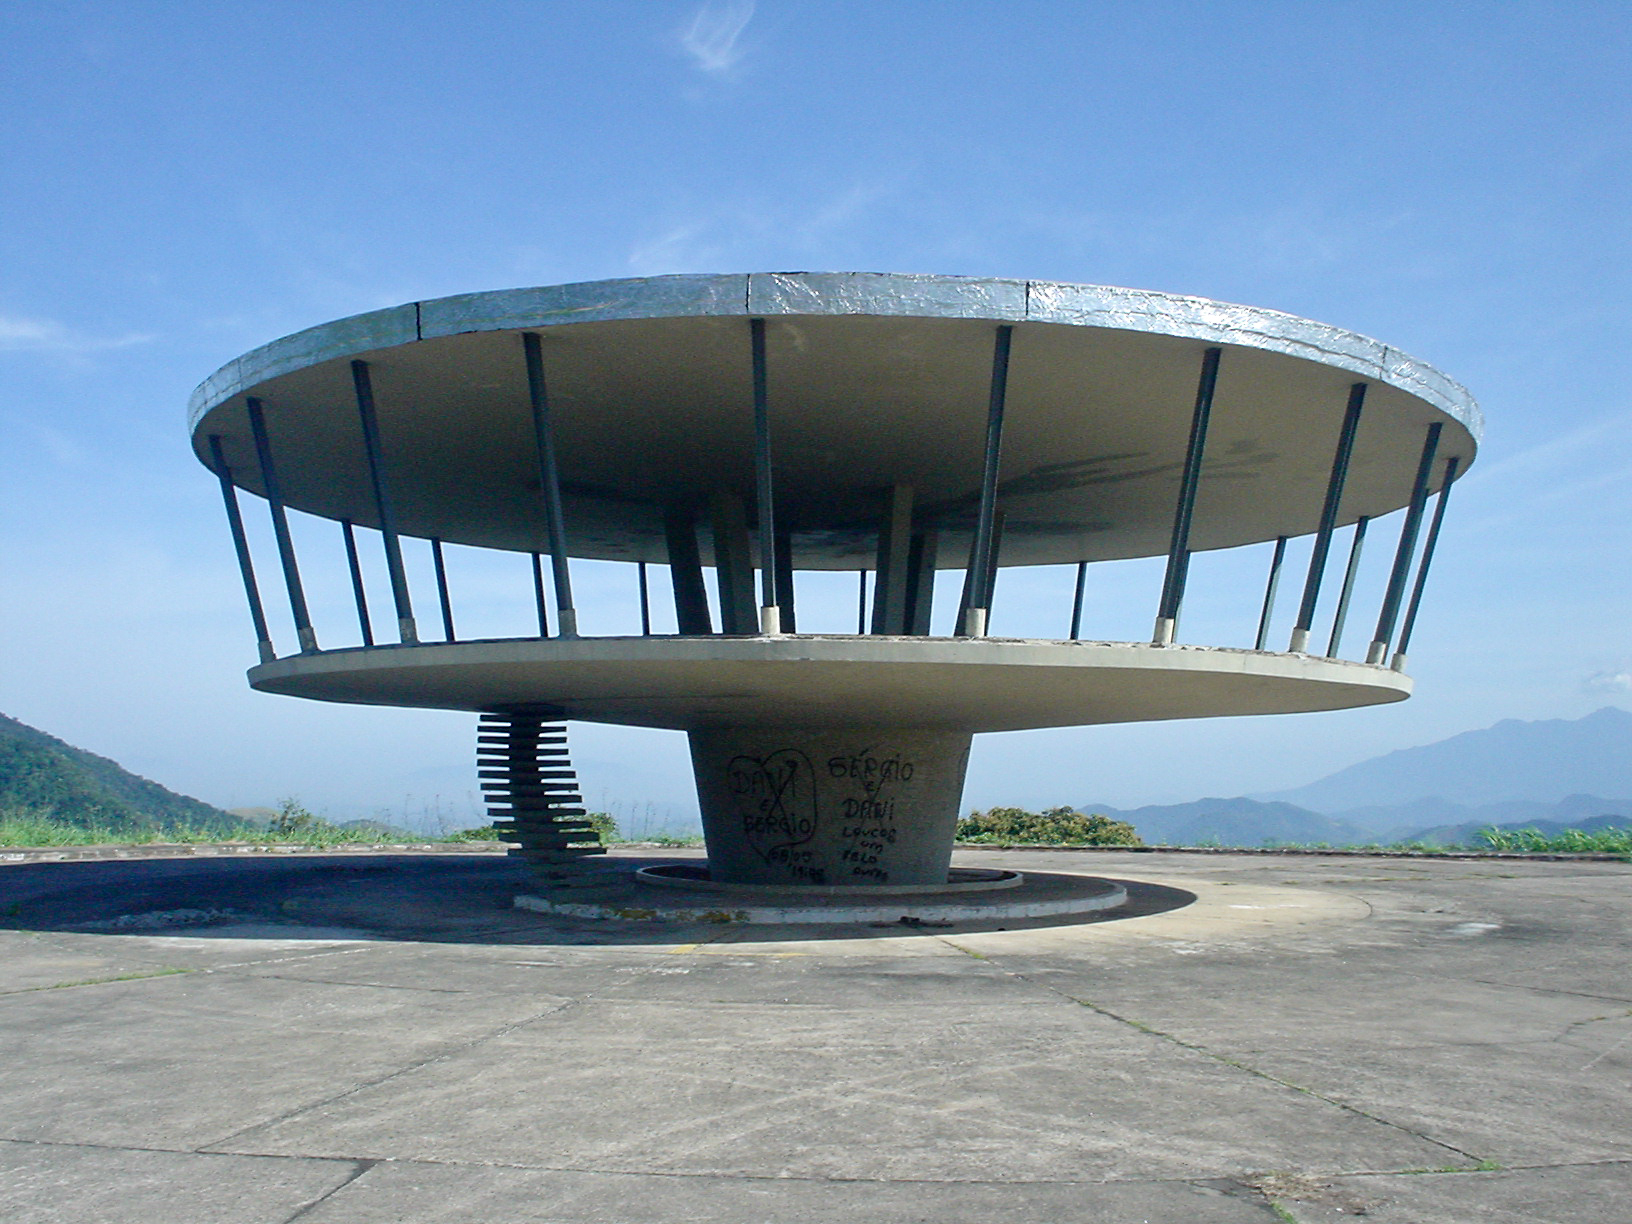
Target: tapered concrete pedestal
[{"x": 834, "y": 807}]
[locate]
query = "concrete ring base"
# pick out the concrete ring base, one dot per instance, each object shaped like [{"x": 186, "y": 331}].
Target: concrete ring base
[
  {"x": 695, "y": 876},
  {"x": 1029, "y": 900}
]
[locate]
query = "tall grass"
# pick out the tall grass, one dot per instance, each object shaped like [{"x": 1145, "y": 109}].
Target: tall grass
[{"x": 1565, "y": 841}]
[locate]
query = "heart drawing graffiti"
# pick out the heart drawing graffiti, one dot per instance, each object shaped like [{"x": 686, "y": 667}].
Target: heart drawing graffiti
[{"x": 776, "y": 798}]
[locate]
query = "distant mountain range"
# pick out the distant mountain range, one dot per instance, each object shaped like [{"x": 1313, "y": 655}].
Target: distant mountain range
[
  {"x": 41, "y": 775},
  {"x": 1549, "y": 775},
  {"x": 1513, "y": 760}
]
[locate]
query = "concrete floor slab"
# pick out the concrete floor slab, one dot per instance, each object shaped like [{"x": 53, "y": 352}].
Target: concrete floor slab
[
  {"x": 52, "y": 1183},
  {"x": 1562, "y": 1194},
  {"x": 1308, "y": 1032},
  {"x": 449, "y": 1194}
]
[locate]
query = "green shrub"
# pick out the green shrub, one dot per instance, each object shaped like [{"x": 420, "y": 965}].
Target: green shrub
[{"x": 1058, "y": 826}]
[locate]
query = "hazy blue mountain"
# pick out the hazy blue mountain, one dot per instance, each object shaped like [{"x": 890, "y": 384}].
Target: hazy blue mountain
[
  {"x": 1234, "y": 822},
  {"x": 1415, "y": 821},
  {"x": 1513, "y": 760},
  {"x": 41, "y": 774}
]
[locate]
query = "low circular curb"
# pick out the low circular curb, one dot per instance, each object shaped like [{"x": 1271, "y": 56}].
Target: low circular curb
[
  {"x": 695, "y": 876},
  {"x": 928, "y": 909}
]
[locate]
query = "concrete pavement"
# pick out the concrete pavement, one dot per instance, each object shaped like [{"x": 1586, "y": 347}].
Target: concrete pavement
[{"x": 382, "y": 1038}]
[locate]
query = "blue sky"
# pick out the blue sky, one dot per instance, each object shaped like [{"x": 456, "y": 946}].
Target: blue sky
[{"x": 182, "y": 182}]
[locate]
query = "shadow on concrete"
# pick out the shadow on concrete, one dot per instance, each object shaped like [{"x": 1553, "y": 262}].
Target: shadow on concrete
[{"x": 435, "y": 899}]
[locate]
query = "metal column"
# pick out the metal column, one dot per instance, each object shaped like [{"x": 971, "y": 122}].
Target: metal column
[
  {"x": 1328, "y": 519},
  {"x": 1269, "y": 593},
  {"x": 280, "y": 529},
  {"x": 538, "y": 595},
  {"x": 549, "y": 484},
  {"x": 1178, "y": 553},
  {"x": 358, "y": 592},
  {"x": 1408, "y": 544},
  {"x": 1076, "y": 601},
  {"x": 1349, "y": 572},
  {"x": 982, "y": 555},
  {"x": 442, "y": 588},
  {"x": 861, "y": 602},
  {"x": 407, "y": 631},
  {"x": 240, "y": 545},
  {"x": 770, "y": 603},
  {"x": 645, "y": 600},
  {"x": 1422, "y": 566},
  {"x": 784, "y": 578}
]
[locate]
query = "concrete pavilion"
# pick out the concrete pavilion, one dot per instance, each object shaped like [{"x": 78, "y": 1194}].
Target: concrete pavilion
[{"x": 759, "y": 426}]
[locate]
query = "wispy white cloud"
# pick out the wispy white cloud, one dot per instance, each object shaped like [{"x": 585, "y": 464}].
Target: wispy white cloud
[
  {"x": 680, "y": 248},
  {"x": 711, "y": 37},
  {"x": 19, "y": 334},
  {"x": 1617, "y": 682},
  {"x": 803, "y": 233}
]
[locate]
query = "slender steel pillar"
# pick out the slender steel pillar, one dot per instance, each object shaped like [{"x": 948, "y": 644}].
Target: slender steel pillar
[
  {"x": 993, "y": 551},
  {"x": 770, "y": 603},
  {"x": 1422, "y": 565},
  {"x": 549, "y": 484},
  {"x": 442, "y": 588},
  {"x": 1269, "y": 593},
  {"x": 280, "y": 528},
  {"x": 861, "y": 603},
  {"x": 1349, "y": 572},
  {"x": 1408, "y": 544},
  {"x": 538, "y": 595},
  {"x": 894, "y": 570},
  {"x": 1178, "y": 553},
  {"x": 240, "y": 546},
  {"x": 979, "y": 599},
  {"x": 358, "y": 592},
  {"x": 407, "y": 631},
  {"x": 1328, "y": 519},
  {"x": 645, "y": 600},
  {"x": 1076, "y": 601},
  {"x": 784, "y": 579},
  {"x": 691, "y": 612}
]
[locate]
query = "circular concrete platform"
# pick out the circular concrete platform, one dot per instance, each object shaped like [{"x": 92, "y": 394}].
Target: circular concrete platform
[
  {"x": 971, "y": 684},
  {"x": 1033, "y": 896}
]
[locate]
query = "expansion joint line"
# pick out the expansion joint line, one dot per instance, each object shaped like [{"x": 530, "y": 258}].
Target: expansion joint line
[
  {"x": 442, "y": 1055},
  {"x": 1224, "y": 1059},
  {"x": 359, "y": 1167}
]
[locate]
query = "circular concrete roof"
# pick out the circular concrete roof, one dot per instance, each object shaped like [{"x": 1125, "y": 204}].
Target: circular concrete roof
[
  {"x": 966, "y": 684},
  {"x": 873, "y": 379}
]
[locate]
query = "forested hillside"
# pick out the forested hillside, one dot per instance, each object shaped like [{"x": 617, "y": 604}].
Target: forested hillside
[{"x": 41, "y": 775}]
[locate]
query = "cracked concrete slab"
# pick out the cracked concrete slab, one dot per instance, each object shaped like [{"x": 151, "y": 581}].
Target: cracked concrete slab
[
  {"x": 49, "y": 1183},
  {"x": 1307, "y": 1036}
]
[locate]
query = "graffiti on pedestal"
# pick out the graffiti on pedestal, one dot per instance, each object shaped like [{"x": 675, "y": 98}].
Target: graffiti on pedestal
[
  {"x": 831, "y": 824},
  {"x": 776, "y": 797},
  {"x": 868, "y": 811}
]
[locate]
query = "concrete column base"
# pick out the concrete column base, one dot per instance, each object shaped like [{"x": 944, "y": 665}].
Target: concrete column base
[{"x": 833, "y": 807}]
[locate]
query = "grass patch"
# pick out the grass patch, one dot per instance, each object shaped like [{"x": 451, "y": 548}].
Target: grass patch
[
  {"x": 103, "y": 981},
  {"x": 1565, "y": 841}
]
